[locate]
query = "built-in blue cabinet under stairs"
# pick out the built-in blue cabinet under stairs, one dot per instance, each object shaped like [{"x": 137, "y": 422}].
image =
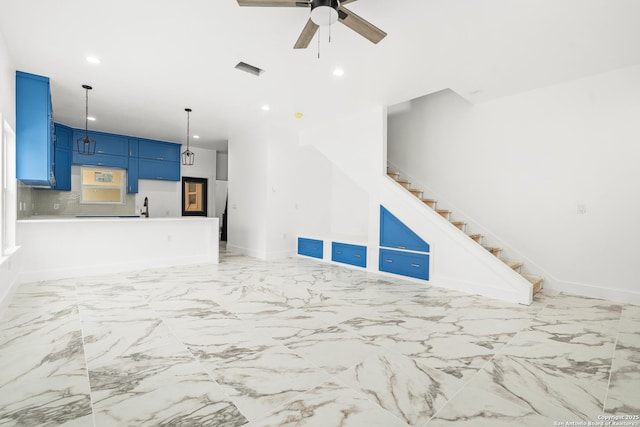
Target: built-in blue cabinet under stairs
[{"x": 402, "y": 251}]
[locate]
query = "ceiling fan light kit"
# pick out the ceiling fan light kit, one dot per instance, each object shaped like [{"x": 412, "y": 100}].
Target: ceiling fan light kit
[{"x": 324, "y": 13}]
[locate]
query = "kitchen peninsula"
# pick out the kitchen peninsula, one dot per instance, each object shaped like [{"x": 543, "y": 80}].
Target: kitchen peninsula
[{"x": 72, "y": 247}]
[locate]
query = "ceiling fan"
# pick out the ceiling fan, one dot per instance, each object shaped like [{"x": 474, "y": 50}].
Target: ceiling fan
[{"x": 324, "y": 12}]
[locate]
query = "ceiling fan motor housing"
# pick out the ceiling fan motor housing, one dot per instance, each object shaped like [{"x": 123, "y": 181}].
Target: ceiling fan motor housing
[{"x": 324, "y": 12}]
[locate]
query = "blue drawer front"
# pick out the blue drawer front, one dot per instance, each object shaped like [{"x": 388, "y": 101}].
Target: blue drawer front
[
  {"x": 349, "y": 254},
  {"x": 310, "y": 247},
  {"x": 100, "y": 160},
  {"x": 405, "y": 263}
]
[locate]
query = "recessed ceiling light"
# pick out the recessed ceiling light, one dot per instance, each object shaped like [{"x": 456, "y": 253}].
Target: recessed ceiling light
[
  {"x": 91, "y": 119},
  {"x": 196, "y": 136},
  {"x": 338, "y": 72},
  {"x": 265, "y": 108},
  {"x": 93, "y": 60}
]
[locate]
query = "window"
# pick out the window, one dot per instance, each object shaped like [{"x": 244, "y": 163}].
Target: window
[
  {"x": 8, "y": 201},
  {"x": 102, "y": 186}
]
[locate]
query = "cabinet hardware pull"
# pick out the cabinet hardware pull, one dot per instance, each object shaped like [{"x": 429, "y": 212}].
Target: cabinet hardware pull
[
  {"x": 356, "y": 255},
  {"x": 402, "y": 247},
  {"x": 388, "y": 260},
  {"x": 159, "y": 158},
  {"x": 338, "y": 252},
  {"x": 415, "y": 265}
]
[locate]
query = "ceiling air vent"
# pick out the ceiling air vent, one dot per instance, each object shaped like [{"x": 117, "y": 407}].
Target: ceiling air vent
[{"x": 243, "y": 66}]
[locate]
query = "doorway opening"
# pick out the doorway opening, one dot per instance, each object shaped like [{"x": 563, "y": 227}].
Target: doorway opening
[{"x": 194, "y": 196}]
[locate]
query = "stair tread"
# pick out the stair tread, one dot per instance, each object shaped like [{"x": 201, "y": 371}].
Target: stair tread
[
  {"x": 536, "y": 281},
  {"x": 429, "y": 200},
  {"x": 443, "y": 211},
  {"x": 475, "y": 235},
  {"x": 403, "y": 181},
  {"x": 487, "y": 247},
  {"x": 532, "y": 278},
  {"x": 512, "y": 263},
  {"x": 458, "y": 222}
]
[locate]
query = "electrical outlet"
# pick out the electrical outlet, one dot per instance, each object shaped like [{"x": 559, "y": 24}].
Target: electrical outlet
[
  {"x": 581, "y": 209},
  {"x": 56, "y": 206}
]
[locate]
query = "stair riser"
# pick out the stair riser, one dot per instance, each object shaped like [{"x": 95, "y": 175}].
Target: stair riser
[
  {"x": 445, "y": 215},
  {"x": 430, "y": 203}
]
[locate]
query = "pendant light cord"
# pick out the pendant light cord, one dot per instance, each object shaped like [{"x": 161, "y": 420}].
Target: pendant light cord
[
  {"x": 187, "y": 130},
  {"x": 86, "y": 113}
]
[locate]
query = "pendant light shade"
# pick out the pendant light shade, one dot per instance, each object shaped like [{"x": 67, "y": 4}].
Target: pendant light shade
[
  {"x": 188, "y": 156},
  {"x": 86, "y": 145}
]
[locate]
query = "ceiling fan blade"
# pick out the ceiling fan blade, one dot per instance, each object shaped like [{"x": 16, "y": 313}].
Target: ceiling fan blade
[
  {"x": 306, "y": 36},
  {"x": 360, "y": 26},
  {"x": 274, "y": 3}
]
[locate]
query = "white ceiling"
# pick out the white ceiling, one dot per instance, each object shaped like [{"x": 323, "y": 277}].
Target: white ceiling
[{"x": 160, "y": 56}]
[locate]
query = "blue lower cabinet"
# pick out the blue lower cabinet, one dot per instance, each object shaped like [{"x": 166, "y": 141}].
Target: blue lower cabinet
[
  {"x": 405, "y": 263},
  {"x": 349, "y": 254},
  {"x": 310, "y": 247}
]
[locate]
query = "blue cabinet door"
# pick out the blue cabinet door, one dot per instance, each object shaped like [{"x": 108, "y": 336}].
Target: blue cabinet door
[
  {"x": 132, "y": 175},
  {"x": 158, "y": 150},
  {"x": 395, "y": 234},
  {"x": 62, "y": 167},
  {"x": 310, "y": 247},
  {"x": 62, "y": 157},
  {"x": 158, "y": 169},
  {"x": 409, "y": 264},
  {"x": 133, "y": 147},
  {"x": 106, "y": 144},
  {"x": 349, "y": 254},
  {"x": 34, "y": 131}
]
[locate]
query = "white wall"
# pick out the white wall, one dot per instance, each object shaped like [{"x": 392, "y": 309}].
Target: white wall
[
  {"x": 8, "y": 261},
  {"x": 517, "y": 168},
  {"x": 248, "y": 190}
]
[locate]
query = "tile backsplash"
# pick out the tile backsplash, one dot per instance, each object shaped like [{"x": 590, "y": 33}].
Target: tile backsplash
[{"x": 33, "y": 202}]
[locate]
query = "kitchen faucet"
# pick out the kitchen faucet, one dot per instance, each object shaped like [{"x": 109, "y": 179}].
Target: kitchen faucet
[{"x": 145, "y": 212}]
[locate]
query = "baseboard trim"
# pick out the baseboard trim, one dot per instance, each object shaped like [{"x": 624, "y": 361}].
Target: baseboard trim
[
  {"x": 624, "y": 296},
  {"x": 96, "y": 270}
]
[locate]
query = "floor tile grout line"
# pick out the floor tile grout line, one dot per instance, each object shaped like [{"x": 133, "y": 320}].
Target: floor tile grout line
[
  {"x": 490, "y": 360},
  {"x": 186, "y": 347},
  {"x": 613, "y": 361},
  {"x": 84, "y": 353}
]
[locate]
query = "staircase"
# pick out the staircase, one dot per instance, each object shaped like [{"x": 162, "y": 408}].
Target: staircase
[{"x": 536, "y": 281}]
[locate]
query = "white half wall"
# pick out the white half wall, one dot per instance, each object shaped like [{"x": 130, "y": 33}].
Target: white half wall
[
  {"x": 61, "y": 248},
  {"x": 522, "y": 169}
]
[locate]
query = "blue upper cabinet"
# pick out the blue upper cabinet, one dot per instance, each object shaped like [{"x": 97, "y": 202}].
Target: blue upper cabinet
[
  {"x": 62, "y": 157},
  {"x": 394, "y": 234},
  {"x": 34, "y": 131},
  {"x": 158, "y": 160},
  {"x": 107, "y": 145}
]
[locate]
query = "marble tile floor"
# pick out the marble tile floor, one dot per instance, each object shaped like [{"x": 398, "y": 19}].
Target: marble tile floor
[{"x": 304, "y": 343}]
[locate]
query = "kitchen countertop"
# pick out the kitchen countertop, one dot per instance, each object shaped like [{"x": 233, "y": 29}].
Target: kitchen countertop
[{"x": 100, "y": 218}]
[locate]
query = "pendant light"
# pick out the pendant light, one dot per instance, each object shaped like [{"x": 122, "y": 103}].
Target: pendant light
[
  {"x": 86, "y": 145},
  {"x": 188, "y": 156}
]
